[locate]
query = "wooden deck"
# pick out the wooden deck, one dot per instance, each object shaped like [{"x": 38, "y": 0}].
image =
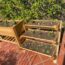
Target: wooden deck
[{"x": 18, "y": 56}]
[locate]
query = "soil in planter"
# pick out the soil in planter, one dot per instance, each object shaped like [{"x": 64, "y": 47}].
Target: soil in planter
[
  {"x": 41, "y": 47},
  {"x": 7, "y": 24},
  {"x": 50, "y": 35},
  {"x": 45, "y": 23}
]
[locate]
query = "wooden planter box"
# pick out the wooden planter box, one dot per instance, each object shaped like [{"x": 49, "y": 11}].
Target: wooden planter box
[
  {"x": 45, "y": 36},
  {"x": 44, "y": 24},
  {"x": 11, "y": 30},
  {"x": 43, "y": 48}
]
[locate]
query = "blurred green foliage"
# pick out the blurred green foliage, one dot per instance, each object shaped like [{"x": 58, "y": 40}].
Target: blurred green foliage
[{"x": 31, "y": 9}]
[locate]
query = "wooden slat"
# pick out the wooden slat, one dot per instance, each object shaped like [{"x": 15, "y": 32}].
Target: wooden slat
[
  {"x": 8, "y": 38},
  {"x": 38, "y": 39},
  {"x": 5, "y": 38},
  {"x": 41, "y": 27}
]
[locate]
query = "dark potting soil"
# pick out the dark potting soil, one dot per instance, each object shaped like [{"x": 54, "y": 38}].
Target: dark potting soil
[
  {"x": 41, "y": 34},
  {"x": 45, "y": 23},
  {"x": 41, "y": 47},
  {"x": 7, "y": 24}
]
